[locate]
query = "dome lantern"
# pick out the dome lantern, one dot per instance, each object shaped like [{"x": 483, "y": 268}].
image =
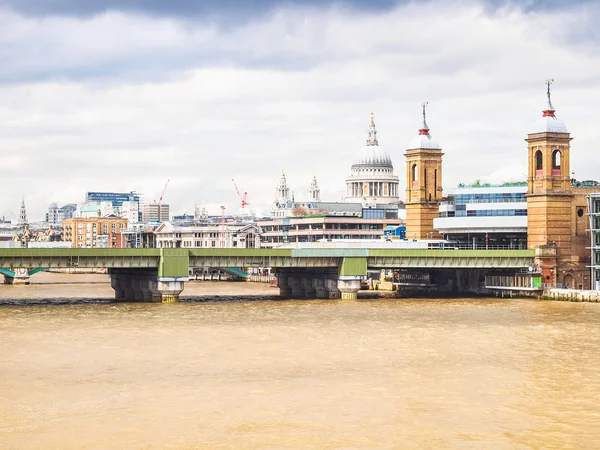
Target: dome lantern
[{"x": 549, "y": 123}]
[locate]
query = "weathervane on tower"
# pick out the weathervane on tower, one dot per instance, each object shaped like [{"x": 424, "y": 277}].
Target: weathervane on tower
[
  {"x": 424, "y": 128},
  {"x": 550, "y": 110}
]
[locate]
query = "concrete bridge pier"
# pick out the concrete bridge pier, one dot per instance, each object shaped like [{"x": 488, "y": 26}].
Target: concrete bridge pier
[
  {"x": 319, "y": 289},
  {"x": 167, "y": 290},
  {"x": 283, "y": 284},
  {"x": 296, "y": 286},
  {"x": 331, "y": 285},
  {"x": 308, "y": 287},
  {"x": 349, "y": 287},
  {"x": 18, "y": 276},
  {"x": 145, "y": 286},
  {"x": 309, "y": 284}
]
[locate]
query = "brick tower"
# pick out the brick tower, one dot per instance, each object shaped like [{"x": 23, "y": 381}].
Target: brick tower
[
  {"x": 423, "y": 184},
  {"x": 549, "y": 195}
]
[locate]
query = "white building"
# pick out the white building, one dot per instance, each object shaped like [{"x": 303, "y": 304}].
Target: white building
[
  {"x": 154, "y": 212},
  {"x": 483, "y": 215},
  {"x": 89, "y": 210},
  {"x": 372, "y": 180},
  {"x": 208, "y": 236},
  {"x": 130, "y": 211}
]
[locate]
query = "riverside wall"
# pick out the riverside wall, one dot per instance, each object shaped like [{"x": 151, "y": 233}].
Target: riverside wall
[{"x": 571, "y": 295}]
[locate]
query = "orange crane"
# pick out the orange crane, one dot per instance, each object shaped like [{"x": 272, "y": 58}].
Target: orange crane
[{"x": 242, "y": 197}]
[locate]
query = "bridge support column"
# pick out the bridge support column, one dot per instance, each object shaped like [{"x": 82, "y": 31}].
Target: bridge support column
[
  {"x": 167, "y": 289},
  {"x": 319, "y": 288},
  {"x": 331, "y": 286},
  {"x": 295, "y": 283},
  {"x": 145, "y": 286},
  {"x": 308, "y": 286},
  {"x": 283, "y": 284},
  {"x": 349, "y": 287},
  {"x": 117, "y": 282},
  {"x": 21, "y": 276}
]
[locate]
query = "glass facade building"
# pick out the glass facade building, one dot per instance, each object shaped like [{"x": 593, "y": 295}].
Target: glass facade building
[
  {"x": 117, "y": 198},
  {"x": 485, "y": 216},
  {"x": 594, "y": 216}
]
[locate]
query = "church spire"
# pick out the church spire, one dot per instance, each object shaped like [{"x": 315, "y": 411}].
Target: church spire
[
  {"x": 314, "y": 193},
  {"x": 283, "y": 190},
  {"x": 372, "y": 132},
  {"x": 424, "y": 128},
  {"x": 23, "y": 213},
  {"x": 549, "y": 111}
]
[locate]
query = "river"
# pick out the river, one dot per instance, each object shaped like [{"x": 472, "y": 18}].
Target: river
[{"x": 216, "y": 371}]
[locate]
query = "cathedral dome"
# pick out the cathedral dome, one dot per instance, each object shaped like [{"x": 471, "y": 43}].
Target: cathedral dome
[
  {"x": 372, "y": 154},
  {"x": 549, "y": 123}
]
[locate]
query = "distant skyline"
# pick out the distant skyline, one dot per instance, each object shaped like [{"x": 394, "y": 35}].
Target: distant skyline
[{"x": 122, "y": 95}]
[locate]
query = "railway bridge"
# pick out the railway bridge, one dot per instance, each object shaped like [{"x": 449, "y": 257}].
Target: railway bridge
[{"x": 160, "y": 274}]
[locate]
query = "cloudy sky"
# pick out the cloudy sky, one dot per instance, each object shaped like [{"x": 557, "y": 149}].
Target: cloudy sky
[{"x": 122, "y": 95}]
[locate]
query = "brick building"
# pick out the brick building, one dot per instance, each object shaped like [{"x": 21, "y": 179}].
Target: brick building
[{"x": 96, "y": 232}]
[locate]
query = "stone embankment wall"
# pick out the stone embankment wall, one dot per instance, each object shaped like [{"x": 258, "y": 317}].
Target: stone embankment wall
[
  {"x": 571, "y": 295},
  {"x": 261, "y": 278}
]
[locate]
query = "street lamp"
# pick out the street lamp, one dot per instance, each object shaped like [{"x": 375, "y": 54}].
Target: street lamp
[{"x": 222, "y": 227}]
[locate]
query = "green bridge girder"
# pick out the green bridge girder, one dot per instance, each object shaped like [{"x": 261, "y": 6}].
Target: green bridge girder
[{"x": 176, "y": 262}]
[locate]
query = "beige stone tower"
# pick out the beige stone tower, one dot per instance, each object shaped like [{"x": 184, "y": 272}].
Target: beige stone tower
[
  {"x": 549, "y": 195},
  {"x": 423, "y": 184}
]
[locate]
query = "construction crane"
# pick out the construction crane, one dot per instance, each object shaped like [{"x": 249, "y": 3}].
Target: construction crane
[
  {"x": 242, "y": 197},
  {"x": 163, "y": 192}
]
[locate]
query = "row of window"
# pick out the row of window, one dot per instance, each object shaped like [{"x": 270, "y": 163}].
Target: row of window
[
  {"x": 485, "y": 213},
  {"x": 314, "y": 238},
  {"x": 379, "y": 214},
  {"x": 465, "y": 199}
]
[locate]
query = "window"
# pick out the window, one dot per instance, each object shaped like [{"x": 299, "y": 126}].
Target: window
[
  {"x": 556, "y": 159},
  {"x": 415, "y": 173},
  {"x": 538, "y": 160}
]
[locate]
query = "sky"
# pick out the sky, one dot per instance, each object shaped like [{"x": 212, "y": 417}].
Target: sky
[{"x": 123, "y": 95}]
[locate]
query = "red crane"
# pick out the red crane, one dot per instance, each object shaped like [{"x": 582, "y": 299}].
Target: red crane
[
  {"x": 163, "y": 192},
  {"x": 242, "y": 197}
]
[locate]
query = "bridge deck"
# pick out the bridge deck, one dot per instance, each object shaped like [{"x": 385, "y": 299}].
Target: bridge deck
[{"x": 176, "y": 262}]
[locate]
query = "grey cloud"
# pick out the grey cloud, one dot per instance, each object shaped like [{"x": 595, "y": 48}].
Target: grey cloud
[
  {"x": 116, "y": 48},
  {"x": 223, "y": 107},
  {"x": 226, "y": 11},
  {"x": 223, "y": 11}
]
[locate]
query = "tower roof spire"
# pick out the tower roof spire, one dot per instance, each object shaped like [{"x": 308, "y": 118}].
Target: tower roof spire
[
  {"x": 424, "y": 128},
  {"x": 372, "y": 132},
  {"x": 549, "y": 111}
]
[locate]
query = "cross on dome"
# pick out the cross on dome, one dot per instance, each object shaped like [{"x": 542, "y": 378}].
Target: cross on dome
[
  {"x": 372, "y": 132},
  {"x": 424, "y": 128}
]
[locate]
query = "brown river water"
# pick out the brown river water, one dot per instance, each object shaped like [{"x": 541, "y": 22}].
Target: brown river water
[{"x": 247, "y": 371}]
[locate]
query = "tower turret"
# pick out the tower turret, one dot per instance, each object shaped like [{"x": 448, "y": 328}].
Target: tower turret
[
  {"x": 283, "y": 191},
  {"x": 314, "y": 193},
  {"x": 23, "y": 213},
  {"x": 423, "y": 182},
  {"x": 549, "y": 193}
]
